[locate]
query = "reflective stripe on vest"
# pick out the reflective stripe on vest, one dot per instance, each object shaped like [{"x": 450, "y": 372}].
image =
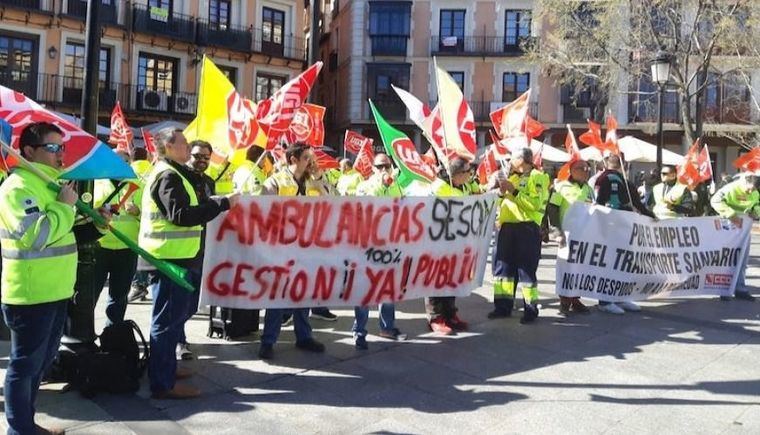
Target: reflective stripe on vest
[
  {"x": 158, "y": 235},
  {"x": 286, "y": 185},
  {"x": 56, "y": 251}
]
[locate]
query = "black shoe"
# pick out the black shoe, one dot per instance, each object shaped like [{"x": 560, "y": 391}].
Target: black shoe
[
  {"x": 311, "y": 345},
  {"x": 530, "y": 314},
  {"x": 137, "y": 293},
  {"x": 499, "y": 314},
  {"x": 361, "y": 343},
  {"x": 324, "y": 315},
  {"x": 744, "y": 296},
  {"x": 725, "y": 298},
  {"x": 266, "y": 351},
  {"x": 287, "y": 319}
]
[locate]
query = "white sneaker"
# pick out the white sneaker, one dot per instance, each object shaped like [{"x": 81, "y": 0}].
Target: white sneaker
[
  {"x": 629, "y": 306},
  {"x": 183, "y": 352},
  {"x": 611, "y": 308}
]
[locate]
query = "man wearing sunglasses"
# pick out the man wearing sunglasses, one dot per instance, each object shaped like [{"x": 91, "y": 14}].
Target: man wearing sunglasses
[
  {"x": 171, "y": 226},
  {"x": 39, "y": 256},
  {"x": 380, "y": 183},
  {"x": 671, "y": 198}
]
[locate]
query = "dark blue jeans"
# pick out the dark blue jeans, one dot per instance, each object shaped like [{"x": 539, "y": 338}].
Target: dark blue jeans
[
  {"x": 273, "y": 324},
  {"x": 118, "y": 266},
  {"x": 361, "y": 316},
  {"x": 35, "y": 336},
  {"x": 171, "y": 303}
]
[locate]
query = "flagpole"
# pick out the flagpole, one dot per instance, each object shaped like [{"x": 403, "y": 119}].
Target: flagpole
[
  {"x": 443, "y": 124},
  {"x": 712, "y": 174}
]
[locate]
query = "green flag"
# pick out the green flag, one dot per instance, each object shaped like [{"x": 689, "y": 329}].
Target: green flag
[{"x": 403, "y": 152}]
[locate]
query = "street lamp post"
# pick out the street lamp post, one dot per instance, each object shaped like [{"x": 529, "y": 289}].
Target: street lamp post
[{"x": 660, "y": 76}]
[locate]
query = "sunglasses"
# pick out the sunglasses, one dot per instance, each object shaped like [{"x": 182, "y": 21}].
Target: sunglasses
[
  {"x": 52, "y": 148},
  {"x": 202, "y": 156},
  {"x": 383, "y": 166}
]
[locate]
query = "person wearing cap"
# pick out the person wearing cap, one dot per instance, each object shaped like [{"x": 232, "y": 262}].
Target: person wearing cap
[
  {"x": 524, "y": 194},
  {"x": 566, "y": 193},
  {"x": 671, "y": 198},
  {"x": 349, "y": 179},
  {"x": 380, "y": 183},
  {"x": 732, "y": 201},
  {"x": 442, "y": 311},
  {"x": 613, "y": 190}
]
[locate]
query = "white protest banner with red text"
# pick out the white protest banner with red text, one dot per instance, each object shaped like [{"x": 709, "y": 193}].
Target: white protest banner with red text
[
  {"x": 285, "y": 252},
  {"x": 615, "y": 255}
]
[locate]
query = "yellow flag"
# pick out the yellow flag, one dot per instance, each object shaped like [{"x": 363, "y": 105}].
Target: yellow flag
[{"x": 224, "y": 119}]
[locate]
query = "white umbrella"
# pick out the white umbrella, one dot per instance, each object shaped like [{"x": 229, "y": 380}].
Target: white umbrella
[
  {"x": 548, "y": 152},
  {"x": 101, "y": 131},
  {"x": 636, "y": 150}
]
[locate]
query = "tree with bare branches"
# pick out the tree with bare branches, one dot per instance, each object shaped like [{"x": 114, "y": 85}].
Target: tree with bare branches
[{"x": 603, "y": 49}]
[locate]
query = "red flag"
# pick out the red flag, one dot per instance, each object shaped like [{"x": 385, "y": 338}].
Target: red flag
[
  {"x": 575, "y": 154},
  {"x": 243, "y": 128},
  {"x": 688, "y": 172},
  {"x": 500, "y": 150},
  {"x": 353, "y": 142},
  {"x": 488, "y": 166},
  {"x": 148, "y": 140},
  {"x": 365, "y": 158},
  {"x": 593, "y": 137},
  {"x": 121, "y": 135},
  {"x": 705, "y": 167},
  {"x": 278, "y": 111},
  {"x": 324, "y": 160},
  {"x": 433, "y": 129},
  {"x": 308, "y": 125},
  {"x": 533, "y": 128},
  {"x": 749, "y": 161},
  {"x": 510, "y": 120}
]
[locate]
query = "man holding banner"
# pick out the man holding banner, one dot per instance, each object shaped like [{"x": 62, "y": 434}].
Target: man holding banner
[
  {"x": 671, "y": 198},
  {"x": 292, "y": 180},
  {"x": 518, "y": 247},
  {"x": 442, "y": 311},
  {"x": 613, "y": 190},
  {"x": 731, "y": 201},
  {"x": 170, "y": 229},
  {"x": 566, "y": 193},
  {"x": 381, "y": 183}
]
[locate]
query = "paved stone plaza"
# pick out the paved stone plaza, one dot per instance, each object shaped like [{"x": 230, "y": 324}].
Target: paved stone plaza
[{"x": 680, "y": 366}]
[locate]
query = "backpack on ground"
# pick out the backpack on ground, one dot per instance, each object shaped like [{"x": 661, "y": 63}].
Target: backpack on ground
[{"x": 116, "y": 368}]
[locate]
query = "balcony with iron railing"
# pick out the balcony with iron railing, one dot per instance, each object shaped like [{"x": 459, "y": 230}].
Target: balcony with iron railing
[
  {"x": 156, "y": 22},
  {"x": 288, "y": 47},
  {"x": 479, "y": 46},
  {"x": 389, "y": 45},
  {"x": 33, "y": 5},
  {"x": 219, "y": 35},
  {"x": 78, "y": 9},
  {"x": 58, "y": 91}
]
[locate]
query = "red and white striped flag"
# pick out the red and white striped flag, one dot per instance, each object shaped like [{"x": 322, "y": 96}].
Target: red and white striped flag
[
  {"x": 364, "y": 159},
  {"x": 121, "y": 135}
]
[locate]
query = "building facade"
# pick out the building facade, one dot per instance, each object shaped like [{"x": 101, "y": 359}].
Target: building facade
[
  {"x": 151, "y": 51},
  {"x": 367, "y": 45}
]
